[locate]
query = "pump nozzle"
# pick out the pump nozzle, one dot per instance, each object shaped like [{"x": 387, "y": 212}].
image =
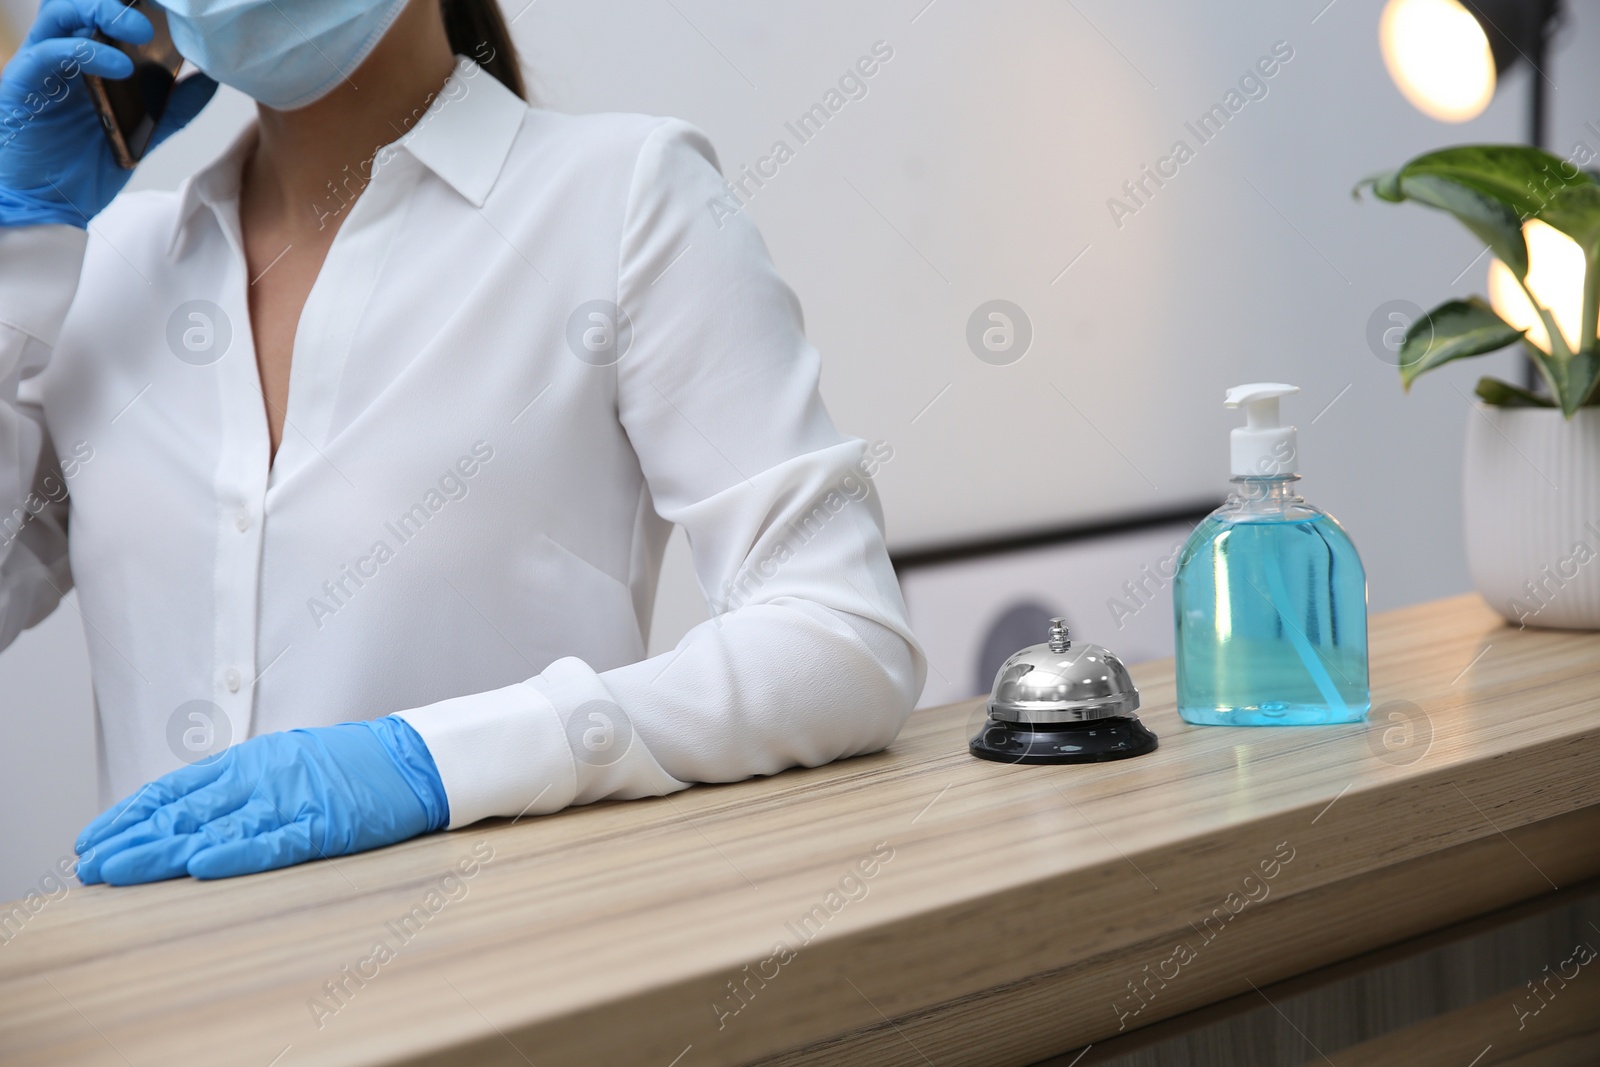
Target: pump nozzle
[{"x": 1263, "y": 447}]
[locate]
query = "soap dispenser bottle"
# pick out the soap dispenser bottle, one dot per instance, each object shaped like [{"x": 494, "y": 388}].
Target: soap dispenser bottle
[{"x": 1270, "y": 597}]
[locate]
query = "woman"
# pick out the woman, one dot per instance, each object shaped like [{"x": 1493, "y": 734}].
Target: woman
[{"x": 374, "y": 434}]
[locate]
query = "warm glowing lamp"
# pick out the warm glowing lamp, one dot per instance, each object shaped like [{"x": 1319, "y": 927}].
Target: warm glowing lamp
[
  {"x": 1438, "y": 54},
  {"x": 1555, "y": 277},
  {"x": 1447, "y": 55}
]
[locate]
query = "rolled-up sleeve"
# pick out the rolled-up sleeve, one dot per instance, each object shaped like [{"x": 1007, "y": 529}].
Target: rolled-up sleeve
[{"x": 808, "y": 656}]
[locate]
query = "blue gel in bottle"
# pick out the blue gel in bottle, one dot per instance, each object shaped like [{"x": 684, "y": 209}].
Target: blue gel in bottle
[{"x": 1270, "y": 597}]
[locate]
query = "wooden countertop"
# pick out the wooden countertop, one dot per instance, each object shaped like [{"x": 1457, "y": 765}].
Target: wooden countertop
[{"x": 957, "y": 911}]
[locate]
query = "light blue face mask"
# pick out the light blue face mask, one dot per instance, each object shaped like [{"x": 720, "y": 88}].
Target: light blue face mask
[{"x": 283, "y": 53}]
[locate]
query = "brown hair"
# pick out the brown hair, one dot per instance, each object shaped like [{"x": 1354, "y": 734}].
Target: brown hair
[{"x": 477, "y": 29}]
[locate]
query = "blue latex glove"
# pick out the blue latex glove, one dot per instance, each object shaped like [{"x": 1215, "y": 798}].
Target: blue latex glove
[
  {"x": 269, "y": 802},
  {"x": 55, "y": 162}
]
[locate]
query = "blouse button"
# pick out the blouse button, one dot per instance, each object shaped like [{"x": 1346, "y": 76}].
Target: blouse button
[
  {"x": 233, "y": 679},
  {"x": 242, "y": 520}
]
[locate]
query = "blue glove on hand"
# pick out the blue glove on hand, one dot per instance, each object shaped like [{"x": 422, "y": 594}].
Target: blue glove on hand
[
  {"x": 55, "y": 162},
  {"x": 269, "y": 802}
]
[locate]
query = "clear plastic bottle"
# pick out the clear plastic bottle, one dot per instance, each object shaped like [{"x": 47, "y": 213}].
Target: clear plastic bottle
[{"x": 1270, "y": 596}]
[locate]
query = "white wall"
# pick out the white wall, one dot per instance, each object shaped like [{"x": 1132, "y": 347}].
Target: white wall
[
  {"x": 1114, "y": 591},
  {"x": 978, "y": 167}
]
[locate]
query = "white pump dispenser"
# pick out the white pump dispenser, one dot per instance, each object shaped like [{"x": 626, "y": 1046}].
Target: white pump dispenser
[{"x": 1263, "y": 447}]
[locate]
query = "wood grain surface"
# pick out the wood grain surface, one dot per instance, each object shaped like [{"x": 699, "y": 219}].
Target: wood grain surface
[
  {"x": 916, "y": 906},
  {"x": 1566, "y": 1034},
  {"x": 1468, "y": 980}
]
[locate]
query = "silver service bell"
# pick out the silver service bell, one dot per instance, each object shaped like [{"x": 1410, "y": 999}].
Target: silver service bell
[{"x": 1062, "y": 702}]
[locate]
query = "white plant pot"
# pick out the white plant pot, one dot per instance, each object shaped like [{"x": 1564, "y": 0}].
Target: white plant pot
[{"x": 1533, "y": 514}]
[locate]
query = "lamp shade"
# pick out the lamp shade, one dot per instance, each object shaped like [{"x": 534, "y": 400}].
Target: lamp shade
[{"x": 1439, "y": 56}]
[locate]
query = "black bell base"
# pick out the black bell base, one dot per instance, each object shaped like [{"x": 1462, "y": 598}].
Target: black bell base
[{"x": 1099, "y": 741}]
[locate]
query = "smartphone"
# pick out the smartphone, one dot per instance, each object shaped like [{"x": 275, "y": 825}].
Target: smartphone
[{"x": 130, "y": 107}]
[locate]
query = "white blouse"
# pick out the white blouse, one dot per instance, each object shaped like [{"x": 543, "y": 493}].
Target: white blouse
[{"x": 482, "y": 460}]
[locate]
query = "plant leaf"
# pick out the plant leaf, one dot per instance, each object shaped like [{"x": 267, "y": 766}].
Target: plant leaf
[
  {"x": 1575, "y": 212},
  {"x": 1524, "y": 179},
  {"x": 1590, "y": 395},
  {"x": 1385, "y": 185},
  {"x": 1505, "y": 395},
  {"x": 1453, "y": 330},
  {"x": 1492, "y": 222},
  {"x": 1576, "y": 379},
  {"x": 1491, "y": 189}
]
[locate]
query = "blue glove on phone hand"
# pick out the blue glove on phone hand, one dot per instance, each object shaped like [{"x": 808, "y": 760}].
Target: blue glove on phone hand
[
  {"x": 55, "y": 162},
  {"x": 269, "y": 802}
]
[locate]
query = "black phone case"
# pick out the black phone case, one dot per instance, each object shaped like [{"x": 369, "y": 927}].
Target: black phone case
[{"x": 129, "y": 108}]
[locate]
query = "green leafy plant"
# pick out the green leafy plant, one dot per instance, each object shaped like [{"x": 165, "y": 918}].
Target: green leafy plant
[{"x": 1493, "y": 190}]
